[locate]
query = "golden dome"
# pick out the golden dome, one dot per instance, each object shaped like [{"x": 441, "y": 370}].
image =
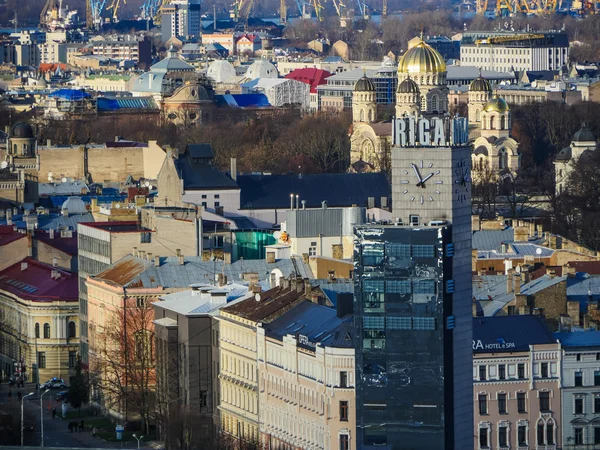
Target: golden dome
[
  {"x": 496, "y": 104},
  {"x": 422, "y": 58}
]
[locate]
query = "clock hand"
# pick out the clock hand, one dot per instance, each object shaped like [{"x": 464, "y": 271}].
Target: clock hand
[
  {"x": 426, "y": 178},
  {"x": 417, "y": 173}
]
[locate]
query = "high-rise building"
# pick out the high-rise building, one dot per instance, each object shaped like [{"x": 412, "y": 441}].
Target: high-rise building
[
  {"x": 181, "y": 19},
  {"x": 413, "y": 283}
]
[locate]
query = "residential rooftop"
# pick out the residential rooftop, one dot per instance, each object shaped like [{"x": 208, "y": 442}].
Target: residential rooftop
[{"x": 509, "y": 333}]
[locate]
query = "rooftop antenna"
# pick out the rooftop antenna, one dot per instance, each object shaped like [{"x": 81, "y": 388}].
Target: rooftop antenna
[{"x": 214, "y": 18}]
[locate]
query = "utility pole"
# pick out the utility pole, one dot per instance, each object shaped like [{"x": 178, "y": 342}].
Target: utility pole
[{"x": 42, "y": 416}]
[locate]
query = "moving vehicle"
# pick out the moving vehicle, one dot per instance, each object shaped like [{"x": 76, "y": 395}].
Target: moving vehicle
[{"x": 54, "y": 383}]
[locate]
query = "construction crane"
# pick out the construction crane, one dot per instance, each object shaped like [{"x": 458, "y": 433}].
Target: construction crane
[
  {"x": 282, "y": 12},
  {"x": 114, "y": 7},
  {"x": 341, "y": 10},
  {"x": 93, "y": 13},
  {"x": 363, "y": 8},
  {"x": 318, "y": 9},
  {"x": 241, "y": 9},
  {"x": 50, "y": 8}
]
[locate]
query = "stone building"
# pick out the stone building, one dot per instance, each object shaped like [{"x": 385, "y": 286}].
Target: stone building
[
  {"x": 583, "y": 142},
  {"x": 516, "y": 384},
  {"x": 239, "y": 387},
  {"x": 38, "y": 313},
  {"x": 580, "y": 385}
]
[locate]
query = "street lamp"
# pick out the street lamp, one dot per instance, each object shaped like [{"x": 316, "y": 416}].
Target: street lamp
[
  {"x": 138, "y": 439},
  {"x": 22, "y": 422},
  {"x": 42, "y": 415}
]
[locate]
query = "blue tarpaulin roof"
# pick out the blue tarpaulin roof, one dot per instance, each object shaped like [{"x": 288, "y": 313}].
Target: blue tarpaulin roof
[
  {"x": 246, "y": 100},
  {"x": 69, "y": 94},
  {"x": 112, "y": 104}
]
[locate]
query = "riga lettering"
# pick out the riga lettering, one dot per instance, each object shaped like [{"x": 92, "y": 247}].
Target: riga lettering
[{"x": 415, "y": 131}]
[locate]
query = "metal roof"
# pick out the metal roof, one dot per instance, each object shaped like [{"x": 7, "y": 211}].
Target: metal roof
[
  {"x": 190, "y": 302},
  {"x": 136, "y": 272},
  {"x": 541, "y": 283},
  {"x": 491, "y": 239},
  {"x": 489, "y": 291},
  {"x": 509, "y": 333},
  {"x": 579, "y": 339},
  {"x": 196, "y": 173},
  {"x": 516, "y": 250}
]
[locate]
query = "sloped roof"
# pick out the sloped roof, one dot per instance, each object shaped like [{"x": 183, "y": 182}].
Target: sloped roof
[
  {"x": 541, "y": 283},
  {"x": 491, "y": 294},
  {"x": 171, "y": 63},
  {"x": 254, "y": 100},
  {"x": 510, "y": 333},
  {"x": 271, "y": 302},
  {"x": 589, "y": 267},
  {"x": 491, "y": 239},
  {"x": 200, "y": 175},
  {"x": 35, "y": 282},
  {"x": 134, "y": 272},
  {"x": 200, "y": 150},
  {"x": 8, "y": 235},
  {"x": 310, "y": 76},
  {"x": 578, "y": 339},
  {"x": 338, "y": 189}
]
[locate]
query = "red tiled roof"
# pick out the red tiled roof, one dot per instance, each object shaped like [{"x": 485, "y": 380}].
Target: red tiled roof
[
  {"x": 8, "y": 234},
  {"x": 51, "y": 67},
  {"x": 313, "y": 77},
  {"x": 35, "y": 282},
  {"x": 66, "y": 245}
]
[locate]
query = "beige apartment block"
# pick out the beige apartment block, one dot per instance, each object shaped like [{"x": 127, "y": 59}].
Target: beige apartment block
[
  {"x": 306, "y": 380},
  {"x": 38, "y": 321},
  {"x": 516, "y": 384},
  {"x": 238, "y": 346}
]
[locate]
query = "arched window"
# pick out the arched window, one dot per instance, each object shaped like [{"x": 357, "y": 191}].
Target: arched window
[
  {"x": 477, "y": 115},
  {"x": 46, "y": 331},
  {"x": 434, "y": 103},
  {"x": 370, "y": 116},
  {"x": 550, "y": 432},
  {"x": 362, "y": 115},
  {"x": 540, "y": 433},
  {"x": 37, "y": 330},
  {"x": 492, "y": 124},
  {"x": 71, "y": 330},
  {"x": 502, "y": 122}
]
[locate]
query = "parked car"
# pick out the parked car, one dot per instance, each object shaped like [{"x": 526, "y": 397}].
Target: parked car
[
  {"x": 62, "y": 395},
  {"x": 54, "y": 383}
]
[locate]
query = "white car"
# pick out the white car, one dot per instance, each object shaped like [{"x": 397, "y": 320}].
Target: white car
[{"x": 54, "y": 383}]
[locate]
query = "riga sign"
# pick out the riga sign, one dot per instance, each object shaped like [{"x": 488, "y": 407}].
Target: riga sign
[{"x": 415, "y": 131}]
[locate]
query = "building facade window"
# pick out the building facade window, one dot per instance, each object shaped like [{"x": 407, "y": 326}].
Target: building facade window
[
  {"x": 502, "y": 403},
  {"x": 521, "y": 402},
  {"x": 522, "y": 435},
  {"x": 544, "y": 370},
  {"x": 540, "y": 433},
  {"x": 344, "y": 442},
  {"x": 544, "y": 401},
  {"x": 521, "y": 371},
  {"x": 597, "y": 404},
  {"x": 46, "y": 331},
  {"x": 41, "y": 360},
  {"x": 483, "y": 404},
  {"x": 343, "y": 379},
  {"x": 37, "y": 330},
  {"x": 578, "y": 406},
  {"x": 596, "y": 435},
  {"x": 502, "y": 372},
  {"x": 503, "y": 436},
  {"x": 483, "y": 438},
  {"x": 578, "y": 432},
  {"x": 72, "y": 359},
  {"x": 482, "y": 373},
  {"x": 71, "y": 330},
  {"x": 344, "y": 411},
  {"x": 578, "y": 378},
  {"x": 596, "y": 377},
  {"x": 550, "y": 433}
]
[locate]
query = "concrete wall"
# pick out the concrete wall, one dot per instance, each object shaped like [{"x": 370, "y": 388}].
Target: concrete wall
[
  {"x": 104, "y": 164},
  {"x": 13, "y": 252},
  {"x": 46, "y": 253}
]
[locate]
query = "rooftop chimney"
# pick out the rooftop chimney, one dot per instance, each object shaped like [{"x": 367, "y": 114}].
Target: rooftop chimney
[
  {"x": 180, "y": 260},
  {"x": 233, "y": 169},
  {"x": 54, "y": 261},
  {"x": 23, "y": 266},
  {"x": 156, "y": 261},
  {"x": 135, "y": 252},
  {"x": 517, "y": 280},
  {"x": 51, "y": 233},
  {"x": 65, "y": 212},
  {"x": 270, "y": 257},
  {"x": 509, "y": 281},
  {"x": 149, "y": 256}
]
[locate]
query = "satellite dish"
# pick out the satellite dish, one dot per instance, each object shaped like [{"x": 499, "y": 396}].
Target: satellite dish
[
  {"x": 538, "y": 251},
  {"x": 257, "y": 297},
  {"x": 518, "y": 269},
  {"x": 3, "y": 165},
  {"x": 147, "y": 184},
  {"x": 277, "y": 235},
  {"x": 64, "y": 180}
]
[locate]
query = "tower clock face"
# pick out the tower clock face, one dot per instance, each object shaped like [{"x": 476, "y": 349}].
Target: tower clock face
[
  {"x": 421, "y": 182},
  {"x": 462, "y": 181}
]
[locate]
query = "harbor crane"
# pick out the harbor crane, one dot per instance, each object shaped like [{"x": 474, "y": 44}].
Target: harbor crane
[
  {"x": 114, "y": 7},
  {"x": 93, "y": 13}
]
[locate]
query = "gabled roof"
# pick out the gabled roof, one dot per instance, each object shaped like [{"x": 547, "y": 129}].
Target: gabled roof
[
  {"x": 32, "y": 280},
  {"x": 540, "y": 284},
  {"x": 338, "y": 189},
  {"x": 271, "y": 303},
  {"x": 310, "y": 76},
  {"x": 509, "y": 333},
  {"x": 200, "y": 151}
]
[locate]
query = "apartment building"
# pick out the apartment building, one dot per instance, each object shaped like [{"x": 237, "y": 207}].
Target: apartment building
[
  {"x": 306, "y": 378},
  {"x": 181, "y": 19},
  {"x": 239, "y": 382},
  {"x": 124, "y": 47},
  {"x": 514, "y": 51},
  {"x": 580, "y": 389},
  {"x": 173, "y": 231},
  {"x": 516, "y": 384},
  {"x": 38, "y": 313},
  {"x": 187, "y": 358}
]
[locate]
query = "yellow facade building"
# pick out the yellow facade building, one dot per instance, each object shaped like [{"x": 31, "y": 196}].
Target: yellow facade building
[{"x": 38, "y": 321}]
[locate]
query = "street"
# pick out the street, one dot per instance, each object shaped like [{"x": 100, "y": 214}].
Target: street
[{"x": 56, "y": 431}]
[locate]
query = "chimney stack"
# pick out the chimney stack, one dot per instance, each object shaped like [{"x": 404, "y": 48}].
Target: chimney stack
[
  {"x": 180, "y": 260},
  {"x": 509, "y": 281},
  {"x": 517, "y": 280},
  {"x": 51, "y": 233},
  {"x": 156, "y": 261},
  {"x": 233, "y": 169},
  {"x": 135, "y": 252},
  {"x": 149, "y": 256}
]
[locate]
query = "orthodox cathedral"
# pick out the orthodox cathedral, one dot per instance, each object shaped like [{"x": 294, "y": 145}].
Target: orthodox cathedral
[{"x": 422, "y": 89}]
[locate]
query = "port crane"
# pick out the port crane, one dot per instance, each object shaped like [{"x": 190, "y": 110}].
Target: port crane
[
  {"x": 93, "y": 13},
  {"x": 506, "y": 7},
  {"x": 241, "y": 9},
  {"x": 114, "y": 7},
  {"x": 150, "y": 8}
]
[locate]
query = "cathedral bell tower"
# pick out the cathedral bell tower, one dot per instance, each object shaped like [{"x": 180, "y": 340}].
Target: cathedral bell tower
[{"x": 364, "y": 101}]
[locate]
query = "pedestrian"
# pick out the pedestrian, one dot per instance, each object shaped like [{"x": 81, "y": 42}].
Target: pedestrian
[
  {"x": 94, "y": 431},
  {"x": 81, "y": 426}
]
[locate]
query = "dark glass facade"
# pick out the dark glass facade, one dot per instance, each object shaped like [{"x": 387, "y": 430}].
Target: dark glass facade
[{"x": 403, "y": 313}]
